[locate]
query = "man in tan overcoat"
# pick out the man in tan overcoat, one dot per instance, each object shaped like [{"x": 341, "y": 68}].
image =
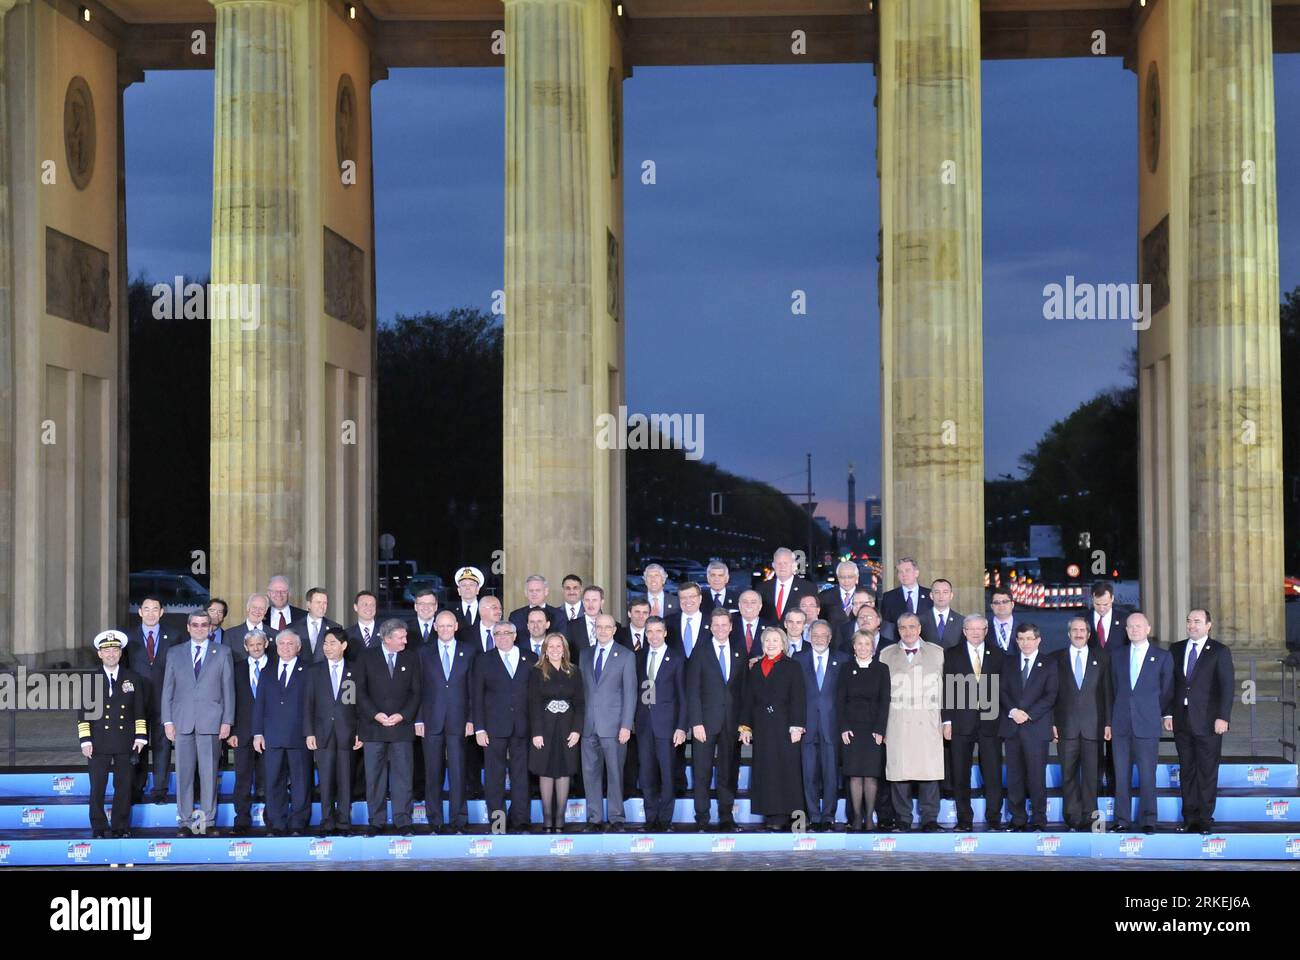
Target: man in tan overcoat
[{"x": 914, "y": 735}]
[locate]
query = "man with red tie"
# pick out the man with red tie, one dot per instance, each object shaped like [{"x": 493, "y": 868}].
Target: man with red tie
[
  {"x": 1105, "y": 624},
  {"x": 281, "y": 614},
  {"x": 747, "y": 625},
  {"x": 781, "y": 594},
  {"x": 638, "y": 611},
  {"x": 145, "y": 654}
]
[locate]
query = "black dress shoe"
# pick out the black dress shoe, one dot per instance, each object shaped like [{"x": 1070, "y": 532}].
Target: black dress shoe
[
  {"x": 1149, "y": 829},
  {"x": 98, "y": 834},
  {"x": 158, "y": 799},
  {"x": 728, "y": 826},
  {"x": 184, "y": 832},
  {"x": 932, "y": 827},
  {"x": 619, "y": 827},
  {"x": 1036, "y": 828},
  {"x": 240, "y": 831},
  {"x": 122, "y": 834},
  {"x": 297, "y": 833},
  {"x": 964, "y": 827},
  {"x": 370, "y": 831},
  {"x": 1122, "y": 827}
]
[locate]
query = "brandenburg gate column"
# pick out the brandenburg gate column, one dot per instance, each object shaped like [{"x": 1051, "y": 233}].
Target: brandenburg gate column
[
  {"x": 292, "y": 313},
  {"x": 1209, "y": 364},
  {"x": 931, "y": 337},
  {"x": 563, "y": 507}
]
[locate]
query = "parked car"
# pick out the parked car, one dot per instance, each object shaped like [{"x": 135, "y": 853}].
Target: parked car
[
  {"x": 420, "y": 581},
  {"x": 178, "y": 591}
]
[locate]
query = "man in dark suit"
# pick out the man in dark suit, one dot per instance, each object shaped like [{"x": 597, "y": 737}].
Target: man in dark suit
[
  {"x": 747, "y": 625},
  {"x": 719, "y": 592},
  {"x": 110, "y": 735},
  {"x": 254, "y": 622},
  {"x": 1083, "y": 704},
  {"x": 715, "y": 685},
  {"x": 1204, "y": 688},
  {"x": 145, "y": 655},
  {"x": 660, "y": 722},
  {"x": 420, "y": 630},
  {"x": 1106, "y": 623},
  {"x": 571, "y": 588},
  {"x": 1002, "y": 622},
  {"x": 281, "y": 612},
  {"x": 217, "y": 613},
  {"x": 279, "y": 724},
  {"x": 821, "y": 737},
  {"x": 1027, "y": 696},
  {"x": 662, "y": 603},
  {"x": 908, "y": 597},
  {"x": 941, "y": 624},
  {"x": 537, "y": 590},
  {"x": 331, "y": 729},
  {"x": 638, "y": 615},
  {"x": 781, "y": 594},
  {"x": 483, "y": 640},
  {"x": 363, "y": 635},
  {"x": 1142, "y": 688},
  {"x": 971, "y": 718},
  {"x": 388, "y": 698},
  {"x": 688, "y": 626},
  {"x": 845, "y": 629},
  {"x": 444, "y": 720},
  {"x": 250, "y": 766},
  {"x": 837, "y": 603},
  {"x": 469, "y": 581},
  {"x": 581, "y": 630},
  {"x": 500, "y": 713},
  {"x": 538, "y": 628},
  {"x": 314, "y": 625}
]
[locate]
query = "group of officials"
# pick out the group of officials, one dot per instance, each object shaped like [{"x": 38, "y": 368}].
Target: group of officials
[{"x": 834, "y": 692}]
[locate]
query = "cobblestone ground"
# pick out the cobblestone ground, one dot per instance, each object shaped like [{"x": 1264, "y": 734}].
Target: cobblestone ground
[{"x": 829, "y": 860}]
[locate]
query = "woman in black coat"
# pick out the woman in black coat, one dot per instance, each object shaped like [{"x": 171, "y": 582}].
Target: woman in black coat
[
  {"x": 555, "y": 711},
  {"x": 773, "y": 718},
  {"x": 862, "y": 706}
]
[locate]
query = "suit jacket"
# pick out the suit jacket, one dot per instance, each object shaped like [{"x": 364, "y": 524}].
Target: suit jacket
[
  {"x": 730, "y": 599},
  {"x": 135, "y": 657},
  {"x": 458, "y": 608},
  {"x": 844, "y": 637},
  {"x": 519, "y": 617},
  {"x": 952, "y": 633},
  {"x": 993, "y": 637},
  {"x": 234, "y": 639},
  {"x": 446, "y": 699},
  {"x": 377, "y": 692},
  {"x": 199, "y": 705},
  {"x": 297, "y": 615},
  {"x": 799, "y": 587},
  {"x": 738, "y": 634},
  {"x": 120, "y": 720},
  {"x": 279, "y": 712},
  {"x": 1138, "y": 711},
  {"x": 357, "y": 644},
  {"x": 1036, "y": 696},
  {"x": 1083, "y": 711},
  {"x": 702, "y": 635},
  {"x": 303, "y": 631},
  {"x": 1114, "y": 628},
  {"x": 415, "y": 638},
  {"x": 822, "y": 725},
  {"x": 332, "y": 721},
  {"x": 710, "y": 702},
  {"x": 500, "y": 700},
  {"x": 473, "y": 637},
  {"x": 609, "y": 703},
  {"x": 244, "y": 700},
  {"x": 967, "y": 703},
  {"x": 665, "y": 710},
  {"x": 1209, "y": 691},
  {"x": 832, "y": 607},
  {"x": 671, "y": 605},
  {"x": 893, "y": 605}
]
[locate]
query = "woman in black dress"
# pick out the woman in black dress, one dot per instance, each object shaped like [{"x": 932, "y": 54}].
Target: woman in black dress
[
  {"x": 555, "y": 717},
  {"x": 773, "y": 718},
  {"x": 863, "y": 709}
]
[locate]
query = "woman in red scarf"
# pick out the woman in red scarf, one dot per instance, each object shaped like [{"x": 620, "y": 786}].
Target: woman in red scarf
[{"x": 772, "y": 718}]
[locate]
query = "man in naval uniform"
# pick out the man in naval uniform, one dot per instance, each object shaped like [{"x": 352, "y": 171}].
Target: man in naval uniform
[{"x": 111, "y": 728}]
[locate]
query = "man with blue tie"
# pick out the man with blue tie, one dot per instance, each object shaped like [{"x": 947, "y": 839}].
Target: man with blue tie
[
  {"x": 687, "y": 627},
  {"x": 660, "y": 721},
  {"x": 198, "y": 705},
  {"x": 1027, "y": 696},
  {"x": 908, "y": 597},
  {"x": 610, "y": 698},
  {"x": 388, "y": 699},
  {"x": 444, "y": 721},
  {"x": 279, "y": 720},
  {"x": 821, "y": 775},
  {"x": 715, "y": 679},
  {"x": 1142, "y": 689},
  {"x": 217, "y": 611},
  {"x": 331, "y": 728},
  {"x": 795, "y": 621},
  {"x": 1082, "y": 722},
  {"x": 1204, "y": 688},
  {"x": 499, "y": 680},
  {"x": 250, "y": 766}
]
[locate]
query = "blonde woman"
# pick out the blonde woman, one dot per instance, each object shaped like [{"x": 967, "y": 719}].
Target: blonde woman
[{"x": 555, "y": 718}]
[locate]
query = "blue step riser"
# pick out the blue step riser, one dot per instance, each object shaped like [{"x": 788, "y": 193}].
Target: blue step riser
[
  {"x": 876, "y": 850},
  {"x": 77, "y": 784},
  {"x": 75, "y": 816}
]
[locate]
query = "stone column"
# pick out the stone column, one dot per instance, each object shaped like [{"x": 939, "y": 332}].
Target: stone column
[
  {"x": 257, "y": 462},
  {"x": 562, "y": 349},
  {"x": 931, "y": 338},
  {"x": 1234, "y": 415},
  {"x": 6, "y": 358}
]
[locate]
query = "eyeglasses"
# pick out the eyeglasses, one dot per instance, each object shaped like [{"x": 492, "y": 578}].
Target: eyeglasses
[{"x": 1000, "y": 602}]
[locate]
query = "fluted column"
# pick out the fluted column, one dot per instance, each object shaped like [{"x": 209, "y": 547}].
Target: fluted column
[
  {"x": 1234, "y": 353},
  {"x": 6, "y": 359},
  {"x": 932, "y": 404},
  {"x": 549, "y": 429},
  {"x": 257, "y": 410}
]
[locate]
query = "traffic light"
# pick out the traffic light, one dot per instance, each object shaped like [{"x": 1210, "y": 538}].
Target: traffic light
[{"x": 871, "y": 542}]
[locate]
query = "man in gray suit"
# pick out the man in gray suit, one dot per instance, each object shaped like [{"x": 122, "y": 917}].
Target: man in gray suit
[
  {"x": 198, "y": 709},
  {"x": 609, "y": 689}
]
